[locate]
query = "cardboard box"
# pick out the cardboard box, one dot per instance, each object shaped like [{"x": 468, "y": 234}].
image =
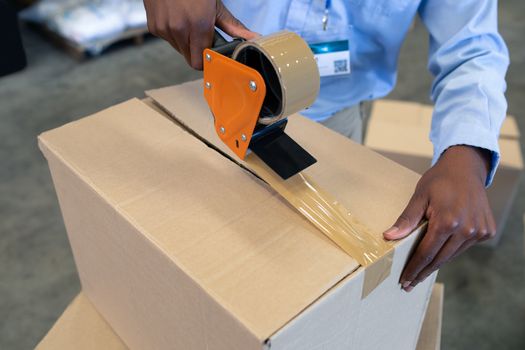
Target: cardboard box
[
  {"x": 430, "y": 336},
  {"x": 400, "y": 131},
  {"x": 81, "y": 327},
  {"x": 180, "y": 248}
]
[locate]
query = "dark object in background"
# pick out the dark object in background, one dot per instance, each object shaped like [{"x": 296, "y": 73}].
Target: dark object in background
[
  {"x": 13, "y": 57},
  {"x": 21, "y": 4}
]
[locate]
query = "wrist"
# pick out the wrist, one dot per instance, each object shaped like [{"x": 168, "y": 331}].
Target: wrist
[{"x": 477, "y": 160}]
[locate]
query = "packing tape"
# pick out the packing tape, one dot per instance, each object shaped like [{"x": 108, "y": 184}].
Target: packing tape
[
  {"x": 284, "y": 56},
  {"x": 334, "y": 221}
]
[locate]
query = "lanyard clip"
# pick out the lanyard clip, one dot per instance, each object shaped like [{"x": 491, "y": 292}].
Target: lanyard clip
[
  {"x": 325, "y": 19},
  {"x": 327, "y": 6}
]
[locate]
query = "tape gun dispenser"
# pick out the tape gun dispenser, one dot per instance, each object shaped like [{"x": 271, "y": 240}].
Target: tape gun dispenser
[{"x": 252, "y": 87}]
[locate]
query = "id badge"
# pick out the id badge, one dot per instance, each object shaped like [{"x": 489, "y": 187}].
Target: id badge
[{"x": 331, "y": 49}]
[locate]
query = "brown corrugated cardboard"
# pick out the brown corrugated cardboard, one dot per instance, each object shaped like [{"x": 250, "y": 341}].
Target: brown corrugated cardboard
[
  {"x": 81, "y": 327},
  {"x": 430, "y": 336},
  {"x": 399, "y": 131},
  {"x": 179, "y": 247}
]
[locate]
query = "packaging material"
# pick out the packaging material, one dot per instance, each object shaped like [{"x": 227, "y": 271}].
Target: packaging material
[
  {"x": 334, "y": 220},
  {"x": 81, "y": 327},
  {"x": 294, "y": 64},
  {"x": 180, "y": 248},
  {"x": 90, "y": 24},
  {"x": 399, "y": 131}
]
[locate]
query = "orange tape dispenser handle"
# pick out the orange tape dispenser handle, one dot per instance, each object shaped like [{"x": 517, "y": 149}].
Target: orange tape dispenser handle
[{"x": 235, "y": 94}]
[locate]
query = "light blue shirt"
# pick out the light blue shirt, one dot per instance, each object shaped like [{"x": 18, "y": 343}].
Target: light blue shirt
[{"x": 467, "y": 56}]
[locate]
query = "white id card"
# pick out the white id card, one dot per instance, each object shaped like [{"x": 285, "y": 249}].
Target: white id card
[
  {"x": 333, "y": 57},
  {"x": 331, "y": 49}
]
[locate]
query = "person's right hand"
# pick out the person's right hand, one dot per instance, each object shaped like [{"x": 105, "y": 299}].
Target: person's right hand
[{"x": 188, "y": 25}]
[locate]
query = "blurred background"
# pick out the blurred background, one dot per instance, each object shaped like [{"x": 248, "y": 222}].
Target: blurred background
[{"x": 76, "y": 57}]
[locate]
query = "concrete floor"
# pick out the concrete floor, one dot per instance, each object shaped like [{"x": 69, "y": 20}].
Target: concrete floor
[{"x": 485, "y": 289}]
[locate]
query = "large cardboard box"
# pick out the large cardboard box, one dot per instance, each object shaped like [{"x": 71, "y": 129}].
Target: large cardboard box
[
  {"x": 178, "y": 247},
  {"x": 400, "y": 131},
  {"x": 81, "y": 327}
]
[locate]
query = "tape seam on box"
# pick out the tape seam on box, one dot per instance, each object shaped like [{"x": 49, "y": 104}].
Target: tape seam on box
[{"x": 323, "y": 211}]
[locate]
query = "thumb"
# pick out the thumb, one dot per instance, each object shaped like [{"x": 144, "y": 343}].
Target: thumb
[
  {"x": 408, "y": 220},
  {"x": 231, "y": 25}
]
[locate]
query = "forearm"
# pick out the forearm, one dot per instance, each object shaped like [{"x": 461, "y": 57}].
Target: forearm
[{"x": 469, "y": 60}]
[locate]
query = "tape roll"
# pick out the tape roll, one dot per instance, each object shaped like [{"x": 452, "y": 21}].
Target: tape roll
[{"x": 289, "y": 69}]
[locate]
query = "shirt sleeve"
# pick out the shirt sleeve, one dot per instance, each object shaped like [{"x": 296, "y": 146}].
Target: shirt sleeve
[{"x": 469, "y": 60}]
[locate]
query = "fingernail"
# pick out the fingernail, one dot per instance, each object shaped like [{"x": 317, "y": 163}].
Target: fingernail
[
  {"x": 406, "y": 284},
  {"x": 391, "y": 231},
  {"x": 409, "y": 289}
]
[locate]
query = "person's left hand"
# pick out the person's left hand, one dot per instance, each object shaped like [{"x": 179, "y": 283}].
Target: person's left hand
[{"x": 452, "y": 196}]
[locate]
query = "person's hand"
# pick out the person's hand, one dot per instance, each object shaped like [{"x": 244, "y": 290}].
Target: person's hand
[
  {"x": 452, "y": 196},
  {"x": 188, "y": 25}
]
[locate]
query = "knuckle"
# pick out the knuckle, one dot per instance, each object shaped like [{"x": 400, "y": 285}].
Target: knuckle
[
  {"x": 482, "y": 234},
  {"x": 448, "y": 224},
  {"x": 492, "y": 227},
  {"x": 469, "y": 232},
  {"x": 176, "y": 27},
  {"x": 491, "y": 230},
  {"x": 445, "y": 224}
]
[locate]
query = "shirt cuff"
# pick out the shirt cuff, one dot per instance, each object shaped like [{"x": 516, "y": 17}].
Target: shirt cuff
[{"x": 470, "y": 135}]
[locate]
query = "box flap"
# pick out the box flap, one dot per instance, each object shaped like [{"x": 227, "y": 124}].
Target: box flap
[
  {"x": 372, "y": 187},
  {"x": 241, "y": 243}
]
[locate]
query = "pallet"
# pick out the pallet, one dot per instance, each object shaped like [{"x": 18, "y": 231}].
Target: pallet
[{"x": 80, "y": 53}]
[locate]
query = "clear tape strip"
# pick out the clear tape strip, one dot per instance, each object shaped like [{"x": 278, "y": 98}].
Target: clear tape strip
[
  {"x": 334, "y": 221},
  {"x": 326, "y": 213}
]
